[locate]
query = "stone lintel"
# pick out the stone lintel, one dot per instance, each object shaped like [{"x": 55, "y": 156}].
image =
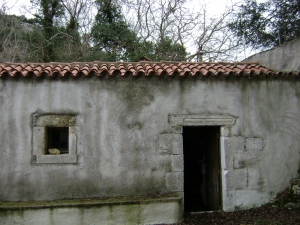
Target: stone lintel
[
  {"x": 201, "y": 120},
  {"x": 54, "y": 120}
]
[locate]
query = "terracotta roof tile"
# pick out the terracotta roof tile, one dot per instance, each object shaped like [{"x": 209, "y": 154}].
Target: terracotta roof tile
[
  {"x": 157, "y": 69},
  {"x": 139, "y": 69},
  {"x": 101, "y": 69}
]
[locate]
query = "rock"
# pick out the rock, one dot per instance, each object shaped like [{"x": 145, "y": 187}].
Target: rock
[
  {"x": 54, "y": 151},
  {"x": 295, "y": 186},
  {"x": 291, "y": 205}
]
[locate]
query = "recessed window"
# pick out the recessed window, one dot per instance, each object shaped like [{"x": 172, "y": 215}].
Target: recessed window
[{"x": 57, "y": 140}]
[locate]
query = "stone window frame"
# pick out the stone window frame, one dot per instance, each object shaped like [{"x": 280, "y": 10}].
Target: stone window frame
[{"x": 39, "y": 138}]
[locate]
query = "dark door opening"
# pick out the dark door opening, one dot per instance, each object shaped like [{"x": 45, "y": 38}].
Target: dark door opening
[{"x": 202, "y": 179}]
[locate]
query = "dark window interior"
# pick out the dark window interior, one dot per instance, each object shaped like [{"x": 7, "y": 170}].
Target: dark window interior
[{"x": 58, "y": 137}]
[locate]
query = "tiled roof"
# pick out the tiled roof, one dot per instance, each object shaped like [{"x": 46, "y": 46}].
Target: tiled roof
[{"x": 137, "y": 69}]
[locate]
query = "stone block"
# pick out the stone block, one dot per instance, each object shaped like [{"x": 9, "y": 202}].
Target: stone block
[
  {"x": 239, "y": 160},
  {"x": 228, "y": 160},
  {"x": 226, "y": 157},
  {"x": 237, "y": 179},
  {"x": 39, "y": 141},
  {"x": 123, "y": 214},
  {"x": 177, "y": 130},
  {"x": 170, "y": 144},
  {"x": 225, "y": 131},
  {"x": 174, "y": 181},
  {"x": 200, "y": 120},
  {"x": 234, "y": 144},
  {"x": 248, "y": 198},
  {"x": 155, "y": 213},
  {"x": 54, "y": 120},
  {"x": 177, "y": 163},
  {"x": 73, "y": 215},
  {"x": 255, "y": 179},
  {"x": 254, "y": 144},
  {"x": 92, "y": 215},
  {"x": 229, "y": 200},
  {"x": 57, "y": 159},
  {"x": 73, "y": 136},
  {"x": 245, "y": 159}
]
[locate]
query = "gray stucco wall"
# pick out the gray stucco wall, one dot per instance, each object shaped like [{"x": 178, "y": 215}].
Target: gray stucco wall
[
  {"x": 123, "y": 129},
  {"x": 281, "y": 58}
]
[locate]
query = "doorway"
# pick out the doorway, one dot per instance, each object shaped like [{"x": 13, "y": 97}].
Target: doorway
[{"x": 202, "y": 177}]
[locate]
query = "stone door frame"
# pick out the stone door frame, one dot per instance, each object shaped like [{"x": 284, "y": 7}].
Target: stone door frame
[{"x": 172, "y": 144}]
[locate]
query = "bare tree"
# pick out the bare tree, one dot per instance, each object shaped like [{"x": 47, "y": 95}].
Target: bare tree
[
  {"x": 156, "y": 20},
  {"x": 12, "y": 46},
  {"x": 78, "y": 19},
  {"x": 69, "y": 39},
  {"x": 212, "y": 38},
  {"x": 80, "y": 14},
  {"x": 188, "y": 23}
]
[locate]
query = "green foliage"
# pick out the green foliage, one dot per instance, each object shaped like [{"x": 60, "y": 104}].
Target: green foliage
[
  {"x": 166, "y": 49},
  {"x": 111, "y": 35},
  {"x": 140, "y": 48},
  {"x": 267, "y": 24}
]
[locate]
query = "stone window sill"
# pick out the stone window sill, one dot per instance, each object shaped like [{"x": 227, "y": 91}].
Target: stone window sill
[{"x": 56, "y": 159}]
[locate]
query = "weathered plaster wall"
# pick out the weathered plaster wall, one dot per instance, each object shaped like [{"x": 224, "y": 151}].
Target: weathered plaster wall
[
  {"x": 126, "y": 145},
  {"x": 282, "y": 58}
]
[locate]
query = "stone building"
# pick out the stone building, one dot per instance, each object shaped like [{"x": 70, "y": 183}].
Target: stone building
[{"x": 127, "y": 143}]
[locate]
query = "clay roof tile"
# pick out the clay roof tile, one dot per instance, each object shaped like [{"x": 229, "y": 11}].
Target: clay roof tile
[
  {"x": 85, "y": 70},
  {"x": 131, "y": 69},
  {"x": 149, "y": 70},
  {"x": 158, "y": 70},
  {"x": 141, "y": 68},
  {"x": 122, "y": 70}
]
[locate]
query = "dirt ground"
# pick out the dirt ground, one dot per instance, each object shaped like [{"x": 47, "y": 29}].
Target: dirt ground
[
  {"x": 275, "y": 213},
  {"x": 265, "y": 215}
]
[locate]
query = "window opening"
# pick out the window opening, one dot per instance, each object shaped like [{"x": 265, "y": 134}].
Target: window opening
[{"x": 57, "y": 140}]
